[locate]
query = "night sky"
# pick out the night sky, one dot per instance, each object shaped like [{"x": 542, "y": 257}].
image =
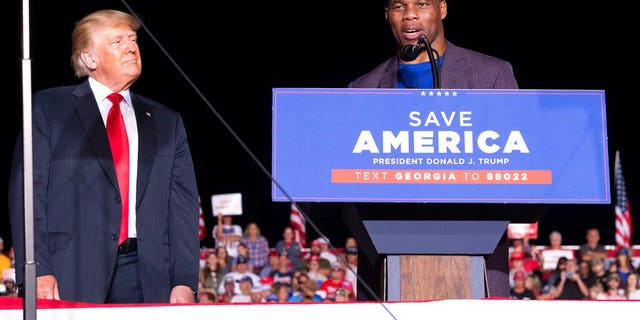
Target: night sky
[{"x": 229, "y": 55}]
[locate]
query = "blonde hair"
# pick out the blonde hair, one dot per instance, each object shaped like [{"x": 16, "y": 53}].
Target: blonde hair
[{"x": 84, "y": 32}]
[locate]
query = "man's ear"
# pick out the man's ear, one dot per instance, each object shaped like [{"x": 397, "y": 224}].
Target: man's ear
[
  {"x": 89, "y": 60},
  {"x": 443, "y": 9}
]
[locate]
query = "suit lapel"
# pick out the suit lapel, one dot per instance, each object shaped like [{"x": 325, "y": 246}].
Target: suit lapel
[
  {"x": 89, "y": 113},
  {"x": 146, "y": 144},
  {"x": 451, "y": 67}
]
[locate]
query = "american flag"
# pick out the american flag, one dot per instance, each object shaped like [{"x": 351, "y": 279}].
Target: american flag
[
  {"x": 298, "y": 223},
  {"x": 201, "y": 228},
  {"x": 623, "y": 211}
]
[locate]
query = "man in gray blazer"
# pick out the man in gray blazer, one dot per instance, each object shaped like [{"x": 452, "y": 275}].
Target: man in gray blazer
[
  {"x": 79, "y": 198},
  {"x": 458, "y": 68}
]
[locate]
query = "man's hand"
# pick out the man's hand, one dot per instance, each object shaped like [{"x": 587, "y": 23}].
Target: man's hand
[
  {"x": 181, "y": 294},
  {"x": 47, "y": 288}
]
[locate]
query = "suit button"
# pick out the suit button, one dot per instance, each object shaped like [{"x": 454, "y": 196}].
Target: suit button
[
  {"x": 114, "y": 236},
  {"x": 116, "y": 199}
]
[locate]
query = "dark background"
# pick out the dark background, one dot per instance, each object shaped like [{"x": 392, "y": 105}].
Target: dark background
[{"x": 234, "y": 53}]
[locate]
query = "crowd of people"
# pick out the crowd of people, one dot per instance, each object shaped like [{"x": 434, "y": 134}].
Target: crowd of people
[
  {"x": 243, "y": 267},
  {"x": 558, "y": 272},
  {"x": 290, "y": 272}
]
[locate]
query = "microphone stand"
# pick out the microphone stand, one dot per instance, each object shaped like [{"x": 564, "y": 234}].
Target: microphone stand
[
  {"x": 435, "y": 72},
  {"x": 29, "y": 296}
]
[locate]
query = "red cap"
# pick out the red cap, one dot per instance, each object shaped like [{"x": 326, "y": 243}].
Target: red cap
[
  {"x": 519, "y": 275},
  {"x": 517, "y": 255}
]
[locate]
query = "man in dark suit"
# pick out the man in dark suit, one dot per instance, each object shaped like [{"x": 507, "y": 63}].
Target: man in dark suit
[
  {"x": 458, "y": 68},
  {"x": 80, "y": 196}
]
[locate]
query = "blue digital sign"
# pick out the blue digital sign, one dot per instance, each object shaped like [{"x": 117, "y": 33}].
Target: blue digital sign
[{"x": 415, "y": 145}]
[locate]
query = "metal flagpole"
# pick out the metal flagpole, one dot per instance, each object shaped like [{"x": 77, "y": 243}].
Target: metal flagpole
[{"x": 29, "y": 291}]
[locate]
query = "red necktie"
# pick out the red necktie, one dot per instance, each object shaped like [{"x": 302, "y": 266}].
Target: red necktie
[{"x": 120, "y": 150}]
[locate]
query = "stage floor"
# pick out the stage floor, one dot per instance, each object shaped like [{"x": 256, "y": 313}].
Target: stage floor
[{"x": 495, "y": 309}]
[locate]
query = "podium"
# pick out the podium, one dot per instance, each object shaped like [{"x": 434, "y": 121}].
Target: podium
[
  {"x": 412, "y": 252},
  {"x": 428, "y": 180}
]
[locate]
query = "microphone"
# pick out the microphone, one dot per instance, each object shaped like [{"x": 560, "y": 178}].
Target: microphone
[{"x": 410, "y": 52}]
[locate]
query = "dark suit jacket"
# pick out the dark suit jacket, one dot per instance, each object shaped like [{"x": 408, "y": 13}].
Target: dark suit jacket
[
  {"x": 461, "y": 69},
  {"x": 77, "y": 204}
]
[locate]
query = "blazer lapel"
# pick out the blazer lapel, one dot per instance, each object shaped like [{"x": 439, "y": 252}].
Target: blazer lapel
[
  {"x": 89, "y": 113},
  {"x": 146, "y": 144},
  {"x": 452, "y": 66}
]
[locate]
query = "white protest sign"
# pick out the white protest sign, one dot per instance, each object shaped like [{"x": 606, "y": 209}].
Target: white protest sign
[
  {"x": 551, "y": 257},
  {"x": 227, "y": 204}
]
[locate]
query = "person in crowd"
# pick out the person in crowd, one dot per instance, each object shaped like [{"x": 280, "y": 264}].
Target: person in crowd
[
  {"x": 272, "y": 265},
  {"x": 256, "y": 294},
  {"x": 550, "y": 254},
  {"x": 533, "y": 283},
  {"x": 530, "y": 261},
  {"x": 207, "y": 297},
  {"x": 104, "y": 158},
  {"x": 242, "y": 270},
  {"x": 314, "y": 269},
  {"x": 227, "y": 234},
  {"x": 245, "y": 284},
  {"x": 555, "y": 241},
  {"x": 325, "y": 251},
  {"x": 595, "y": 290},
  {"x": 340, "y": 295},
  {"x": 334, "y": 282},
  {"x": 547, "y": 292},
  {"x": 228, "y": 289},
  {"x": 349, "y": 289},
  {"x": 267, "y": 288},
  {"x": 622, "y": 265},
  {"x": 517, "y": 265},
  {"x": 592, "y": 247},
  {"x": 295, "y": 281},
  {"x": 242, "y": 250},
  {"x": 225, "y": 261},
  {"x": 301, "y": 278},
  {"x": 561, "y": 267},
  {"x": 210, "y": 274},
  {"x": 283, "y": 274},
  {"x": 319, "y": 247},
  {"x": 258, "y": 246},
  {"x": 306, "y": 292},
  {"x": 519, "y": 290},
  {"x": 351, "y": 257},
  {"x": 598, "y": 273},
  {"x": 614, "y": 288},
  {"x": 457, "y": 67},
  {"x": 570, "y": 286},
  {"x": 293, "y": 247},
  {"x": 272, "y": 298},
  {"x": 350, "y": 241},
  {"x": 584, "y": 270},
  {"x": 281, "y": 292},
  {"x": 10, "y": 289},
  {"x": 5, "y": 261},
  {"x": 632, "y": 290}
]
